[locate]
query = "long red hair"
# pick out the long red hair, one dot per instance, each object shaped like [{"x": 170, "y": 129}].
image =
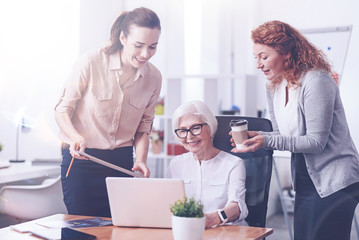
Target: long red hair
[{"x": 300, "y": 55}]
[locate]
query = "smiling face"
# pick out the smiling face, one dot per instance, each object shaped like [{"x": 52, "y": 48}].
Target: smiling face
[
  {"x": 269, "y": 61},
  {"x": 195, "y": 144},
  {"x": 139, "y": 45}
]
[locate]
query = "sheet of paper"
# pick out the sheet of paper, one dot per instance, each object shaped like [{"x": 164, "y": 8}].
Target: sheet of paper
[
  {"x": 26, "y": 227},
  {"x": 4, "y": 164}
]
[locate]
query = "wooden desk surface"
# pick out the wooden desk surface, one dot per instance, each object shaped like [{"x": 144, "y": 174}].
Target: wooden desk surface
[
  {"x": 23, "y": 171},
  {"x": 115, "y": 233}
]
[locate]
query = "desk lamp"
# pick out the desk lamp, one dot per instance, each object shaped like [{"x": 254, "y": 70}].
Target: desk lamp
[{"x": 22, "y": 125}]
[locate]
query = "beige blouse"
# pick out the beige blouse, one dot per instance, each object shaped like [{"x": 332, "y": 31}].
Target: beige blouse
[{"x": 105, "y": 114}]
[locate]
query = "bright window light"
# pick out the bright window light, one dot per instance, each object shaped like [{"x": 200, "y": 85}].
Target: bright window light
[
  {"x": 38, "y": 45},
  {"x": 192, "y": 36}
]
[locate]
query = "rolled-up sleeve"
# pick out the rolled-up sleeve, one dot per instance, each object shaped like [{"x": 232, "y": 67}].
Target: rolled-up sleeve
[
  {"x": 74, "y": 87},
  {"x": 237, "y": 188}
]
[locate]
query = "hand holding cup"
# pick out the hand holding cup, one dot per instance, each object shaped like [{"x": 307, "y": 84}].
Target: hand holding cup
[
  {"x": 253, "y": 143},
  {"x": 239, "y": 132}
]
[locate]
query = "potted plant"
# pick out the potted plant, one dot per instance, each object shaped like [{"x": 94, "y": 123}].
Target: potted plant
[
  {"x": 156, "y": 137},
  {"x": 160, "y": 107},
  {"x": 188, "y": 221}
]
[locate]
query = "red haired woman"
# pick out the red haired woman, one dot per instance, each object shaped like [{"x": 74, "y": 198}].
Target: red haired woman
[{"x": 309, "y": 121}]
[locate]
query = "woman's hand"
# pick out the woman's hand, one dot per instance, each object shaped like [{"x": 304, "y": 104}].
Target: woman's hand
[
  {"x": 253, "y": 143},
  {"x": 81, "y": 145},
  {"x": 141, "y": 142},
  {"x": 142, "y": 168},
  {"x": 212, "y": 219},
  {"x": 63, "y": 120}
]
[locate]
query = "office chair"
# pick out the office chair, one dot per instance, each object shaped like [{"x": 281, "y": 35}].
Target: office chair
[
  {"x": 258, "y": 167},
  {"x": 28, "y": 202}
]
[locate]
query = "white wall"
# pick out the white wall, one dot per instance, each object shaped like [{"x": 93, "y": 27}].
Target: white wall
[
  {"x": 96, "y": 19},
  {"x": 38, "y": 44}
]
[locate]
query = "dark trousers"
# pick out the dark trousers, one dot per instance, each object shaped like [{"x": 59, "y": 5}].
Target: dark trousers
[
  {"x": 317, "y": 218},
  {"x": 84, "y": 189}
]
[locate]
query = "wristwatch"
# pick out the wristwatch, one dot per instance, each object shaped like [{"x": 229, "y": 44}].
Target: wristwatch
[{"x": 222, "y": 215}]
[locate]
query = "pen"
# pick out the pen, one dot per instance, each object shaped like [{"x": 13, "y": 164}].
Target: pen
[{"x": 72, "y": 160}]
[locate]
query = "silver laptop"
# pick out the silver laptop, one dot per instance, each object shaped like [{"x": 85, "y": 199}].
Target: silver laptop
[{"x": 143, "y": 202}]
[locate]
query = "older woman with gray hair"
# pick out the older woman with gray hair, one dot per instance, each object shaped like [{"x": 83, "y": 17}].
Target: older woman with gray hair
[{"x": 214, "y": 177}]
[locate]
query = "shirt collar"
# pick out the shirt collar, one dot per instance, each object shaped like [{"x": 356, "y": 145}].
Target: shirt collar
[
  {"x": 115, "y": 64},
  {"x": 114, "y": 61}
]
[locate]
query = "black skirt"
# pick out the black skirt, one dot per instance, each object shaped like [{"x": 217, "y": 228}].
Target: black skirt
[{"x": 84, "y": 189}]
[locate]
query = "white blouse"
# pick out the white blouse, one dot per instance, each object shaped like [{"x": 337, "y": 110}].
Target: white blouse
[
  {"x": 214, "y": 182},
  {"x": 286, "y": 115}
]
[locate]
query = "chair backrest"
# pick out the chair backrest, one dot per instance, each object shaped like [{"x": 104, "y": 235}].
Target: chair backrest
[
  {"x": 258, "y": 166},
  {"x": 29, "y": 202}
]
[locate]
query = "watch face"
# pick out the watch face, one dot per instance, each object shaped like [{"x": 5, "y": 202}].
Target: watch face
[{"x": 223, "y": 214}]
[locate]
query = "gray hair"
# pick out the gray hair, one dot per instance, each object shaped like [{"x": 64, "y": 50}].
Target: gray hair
[{"x": 196, "y": 108}]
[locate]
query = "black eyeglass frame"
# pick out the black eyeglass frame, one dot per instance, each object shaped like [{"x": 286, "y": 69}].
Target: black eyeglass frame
[{"x": 189, "y": 130}]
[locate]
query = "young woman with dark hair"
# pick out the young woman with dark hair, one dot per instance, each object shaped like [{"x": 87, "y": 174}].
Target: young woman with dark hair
[{"x": 107, "y": 109}]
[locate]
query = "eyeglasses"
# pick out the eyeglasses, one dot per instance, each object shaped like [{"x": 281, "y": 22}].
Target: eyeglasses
[{"x": 194, "y": 130}]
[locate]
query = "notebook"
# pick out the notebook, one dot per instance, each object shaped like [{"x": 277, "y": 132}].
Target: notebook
[
  {"x": 143, "y": 202},
  {"x": 4, "y": 164}
]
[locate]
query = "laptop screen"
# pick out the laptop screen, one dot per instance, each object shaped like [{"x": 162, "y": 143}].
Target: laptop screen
[{"x": 143, "y": 202}]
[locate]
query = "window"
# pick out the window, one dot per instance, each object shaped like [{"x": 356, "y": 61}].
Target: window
[{"x": 38, "y": 45}]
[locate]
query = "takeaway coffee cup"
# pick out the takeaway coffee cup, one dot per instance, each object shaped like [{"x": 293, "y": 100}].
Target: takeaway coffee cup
[{"x": 239, "y": 132}]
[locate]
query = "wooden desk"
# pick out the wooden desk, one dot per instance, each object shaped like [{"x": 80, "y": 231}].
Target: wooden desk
[
  {"x": 23, "y": 171},
  {"x": 115, "y": 233}
]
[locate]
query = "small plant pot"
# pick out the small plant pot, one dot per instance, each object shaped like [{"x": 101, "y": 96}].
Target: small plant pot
[{"x": 186, "y": 228}]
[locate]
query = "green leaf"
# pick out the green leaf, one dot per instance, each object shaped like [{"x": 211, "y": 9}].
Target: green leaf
[{"x": 187, "y": 208}]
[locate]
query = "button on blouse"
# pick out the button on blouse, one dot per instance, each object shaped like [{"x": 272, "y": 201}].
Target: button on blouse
[{"x": 105, "y": 114}]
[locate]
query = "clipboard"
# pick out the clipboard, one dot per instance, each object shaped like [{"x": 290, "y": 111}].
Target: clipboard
[{"x": 110, "y": 165}]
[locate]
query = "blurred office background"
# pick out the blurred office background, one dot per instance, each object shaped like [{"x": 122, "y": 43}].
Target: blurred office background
[{"x": 41, "y": 39}]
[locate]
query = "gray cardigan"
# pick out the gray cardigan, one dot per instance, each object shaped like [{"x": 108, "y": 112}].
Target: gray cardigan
[{"x": 330, "y": 155}]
